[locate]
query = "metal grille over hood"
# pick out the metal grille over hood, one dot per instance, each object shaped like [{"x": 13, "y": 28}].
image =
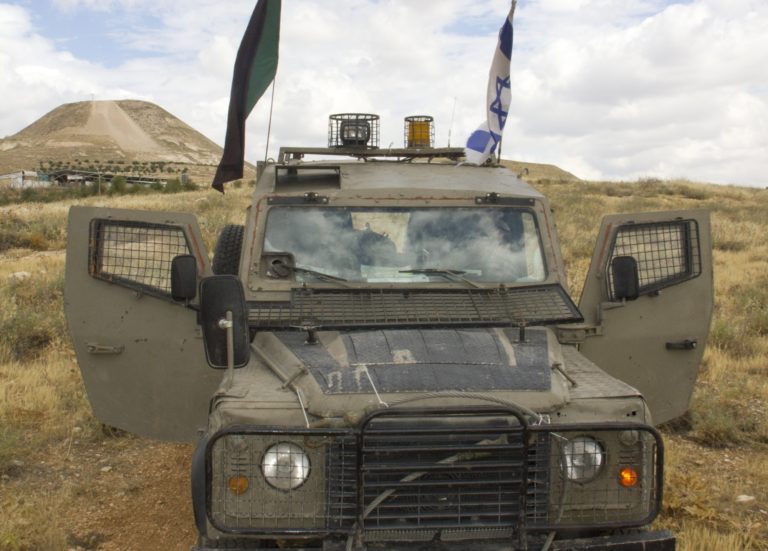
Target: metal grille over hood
[{"x": 400, "y": 308}]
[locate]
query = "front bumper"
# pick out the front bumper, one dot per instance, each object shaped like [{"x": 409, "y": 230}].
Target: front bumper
[
  {"x": 431, "y": 479},
  {"x": 640, "y": 541}
]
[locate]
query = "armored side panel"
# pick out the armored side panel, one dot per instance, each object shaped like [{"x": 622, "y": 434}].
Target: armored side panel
[
  {"x": 656, "y": 341},
  {"x": 140, "y": 353}
]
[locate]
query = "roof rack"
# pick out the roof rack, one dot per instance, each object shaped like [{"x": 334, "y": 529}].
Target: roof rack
[{"x": 405, "y": 154}]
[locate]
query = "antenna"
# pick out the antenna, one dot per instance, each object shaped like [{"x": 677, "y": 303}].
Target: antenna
[{"x": 450, "y": 128}]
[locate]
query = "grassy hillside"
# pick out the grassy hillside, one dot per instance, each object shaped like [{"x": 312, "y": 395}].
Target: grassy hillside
[
  {"x": 68, "y": 484},
  {"x": 535, "y": 172}
]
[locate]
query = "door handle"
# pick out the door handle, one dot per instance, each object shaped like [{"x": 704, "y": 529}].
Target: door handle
[
  {"x": 687, "y": 344},
  {"x": 94, "y": 348}
]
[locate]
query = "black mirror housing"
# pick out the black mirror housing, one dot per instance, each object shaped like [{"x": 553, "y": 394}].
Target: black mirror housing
[
  {"x": 626, "y": 280},
  {"x": 218, "y": 295},
  {"x": 183, "y": 277}
]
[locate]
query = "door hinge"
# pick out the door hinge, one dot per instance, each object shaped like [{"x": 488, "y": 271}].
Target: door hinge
[{"x": 577, "y": 334}]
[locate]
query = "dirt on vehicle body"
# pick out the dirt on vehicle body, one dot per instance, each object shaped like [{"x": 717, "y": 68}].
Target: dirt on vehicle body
[{"x": 403, "y": 363}]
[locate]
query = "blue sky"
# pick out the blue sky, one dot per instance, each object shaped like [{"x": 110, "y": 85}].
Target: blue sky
[
  {"x": 617, "y": 89},
  {"x": 97, "y": 35}
]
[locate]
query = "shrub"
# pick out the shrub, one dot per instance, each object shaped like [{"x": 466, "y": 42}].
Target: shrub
[
  {"x": 32, "y": 317},
  {"x": 28, "y": 194},
  {"x": 118, "y": 185},
  {"x": 11, "y": 440},
  {"x": 727, "y": 335},
  {"x": 724, "y": 416},
  {"x": 172, "y": 186},
  {"x": 36, "y": 241},
  {"x": 86, "y": 191}
]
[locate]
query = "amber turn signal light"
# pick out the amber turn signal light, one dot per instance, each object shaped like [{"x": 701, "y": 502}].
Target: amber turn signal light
[
  {"x": 628, "y": 477},
  {"x": 237, "y": 484}
]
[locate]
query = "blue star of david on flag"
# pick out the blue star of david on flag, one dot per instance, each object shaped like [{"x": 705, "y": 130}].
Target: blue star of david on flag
[
  {"x": 497, "y": 105},
  {"x": 482, "y": 143}
]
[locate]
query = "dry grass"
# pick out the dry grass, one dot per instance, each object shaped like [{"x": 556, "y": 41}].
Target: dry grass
[
  {"x": 31, "y": 523},
  {"x": 720, "y": 450},
  {"x": 44, "y": 406},
  {"x": 700, "y": 538},
  {"x": 44, "y": 413},
  {"x": 716, "y": 454}
]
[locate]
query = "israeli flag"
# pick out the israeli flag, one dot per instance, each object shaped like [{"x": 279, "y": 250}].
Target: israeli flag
[{"x": 483, "y": 141}]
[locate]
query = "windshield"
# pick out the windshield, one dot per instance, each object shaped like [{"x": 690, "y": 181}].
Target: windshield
[{"x": 408, "y": 245}]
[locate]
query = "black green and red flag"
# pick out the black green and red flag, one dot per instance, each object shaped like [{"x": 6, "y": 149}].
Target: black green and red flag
[{"x": 255, "y": 67}]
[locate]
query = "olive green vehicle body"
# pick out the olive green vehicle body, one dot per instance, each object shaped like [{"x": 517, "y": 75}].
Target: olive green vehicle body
[{"x": 609, "y": 369}]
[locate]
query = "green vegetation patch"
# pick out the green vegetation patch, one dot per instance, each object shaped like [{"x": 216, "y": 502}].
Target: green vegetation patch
[
  {"x": 727, "y": 416},
  {"x": 32, "y": 317},
  {"x": 38, "y": 235},
  {"x": 118, "y": 186}
]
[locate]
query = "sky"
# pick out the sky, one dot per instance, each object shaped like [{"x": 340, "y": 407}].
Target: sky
[{"x": 606, "y": 89}]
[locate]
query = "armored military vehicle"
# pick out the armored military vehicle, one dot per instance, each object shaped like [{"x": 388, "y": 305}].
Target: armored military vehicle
[{"x": 385, "y": 356}]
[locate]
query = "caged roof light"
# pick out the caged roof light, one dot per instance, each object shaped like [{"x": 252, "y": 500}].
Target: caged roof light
[
  {"x": 419, "y": 131},
  {"x": 359, "y": 130}
]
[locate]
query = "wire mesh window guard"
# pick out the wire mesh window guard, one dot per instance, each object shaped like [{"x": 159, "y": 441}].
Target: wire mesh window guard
[
  {"x": 136, "y": 254},
  {"x": 666, "y": 253}
]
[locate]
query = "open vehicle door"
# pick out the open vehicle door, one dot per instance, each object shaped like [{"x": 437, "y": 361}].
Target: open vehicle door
[
  {"x": 655, "y": 341},
  {"x": 140, "y": 353}
]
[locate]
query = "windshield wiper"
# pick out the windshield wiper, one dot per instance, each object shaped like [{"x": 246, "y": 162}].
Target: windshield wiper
[
  {"x": 454, "y": 275},
  {"x": 320, "y": 275}
]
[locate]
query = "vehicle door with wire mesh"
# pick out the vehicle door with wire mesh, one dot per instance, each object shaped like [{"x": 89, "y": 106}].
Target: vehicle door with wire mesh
[
  {"x": 655, "y": 341},
  {"x": 140, "y": 353}
]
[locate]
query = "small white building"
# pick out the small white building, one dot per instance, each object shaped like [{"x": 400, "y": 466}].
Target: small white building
[
  {"x": 75, "y": 180},
  {"x": 22, "y": 179}
]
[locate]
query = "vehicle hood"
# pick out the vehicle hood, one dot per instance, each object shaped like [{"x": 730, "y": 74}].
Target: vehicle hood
[{"x": 352, "y": 370}]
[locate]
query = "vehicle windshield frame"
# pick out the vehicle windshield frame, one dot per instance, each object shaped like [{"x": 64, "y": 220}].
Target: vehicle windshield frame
[{"x": 531, "y": 236}]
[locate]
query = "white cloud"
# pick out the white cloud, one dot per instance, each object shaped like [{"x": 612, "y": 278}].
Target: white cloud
[
  {"x": 662, "y": 94},
  {"x": 35, "y": 77},
  {"x": 605, "y": 88}
]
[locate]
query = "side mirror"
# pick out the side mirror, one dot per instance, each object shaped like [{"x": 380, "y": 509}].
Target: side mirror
[
  {"x": 183, "y": 277},
  {"x": 278, "y": 265},
  {"x": 626, "y": 281},
  {"x": 218, "y": 295}
]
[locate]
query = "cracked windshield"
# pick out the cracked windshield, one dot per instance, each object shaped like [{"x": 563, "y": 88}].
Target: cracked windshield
[{"x": 408, "y": 245}]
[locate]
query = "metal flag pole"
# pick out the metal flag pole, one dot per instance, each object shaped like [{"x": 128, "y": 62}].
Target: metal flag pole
[{"x": 269, "y": 125}]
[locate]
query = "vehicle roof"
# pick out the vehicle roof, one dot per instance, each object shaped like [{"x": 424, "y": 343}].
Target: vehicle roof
[{"x": 382, "y": 175}]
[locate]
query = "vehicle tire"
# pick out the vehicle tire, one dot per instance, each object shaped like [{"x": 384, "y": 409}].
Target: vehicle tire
[{"x": 226, "y": 255}]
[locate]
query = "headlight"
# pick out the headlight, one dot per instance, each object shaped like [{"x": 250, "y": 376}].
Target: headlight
[
  {"x": 285, "y": 466},
  {"x": 355, "y": 132},
  {"x": 583, "y": 458}
]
